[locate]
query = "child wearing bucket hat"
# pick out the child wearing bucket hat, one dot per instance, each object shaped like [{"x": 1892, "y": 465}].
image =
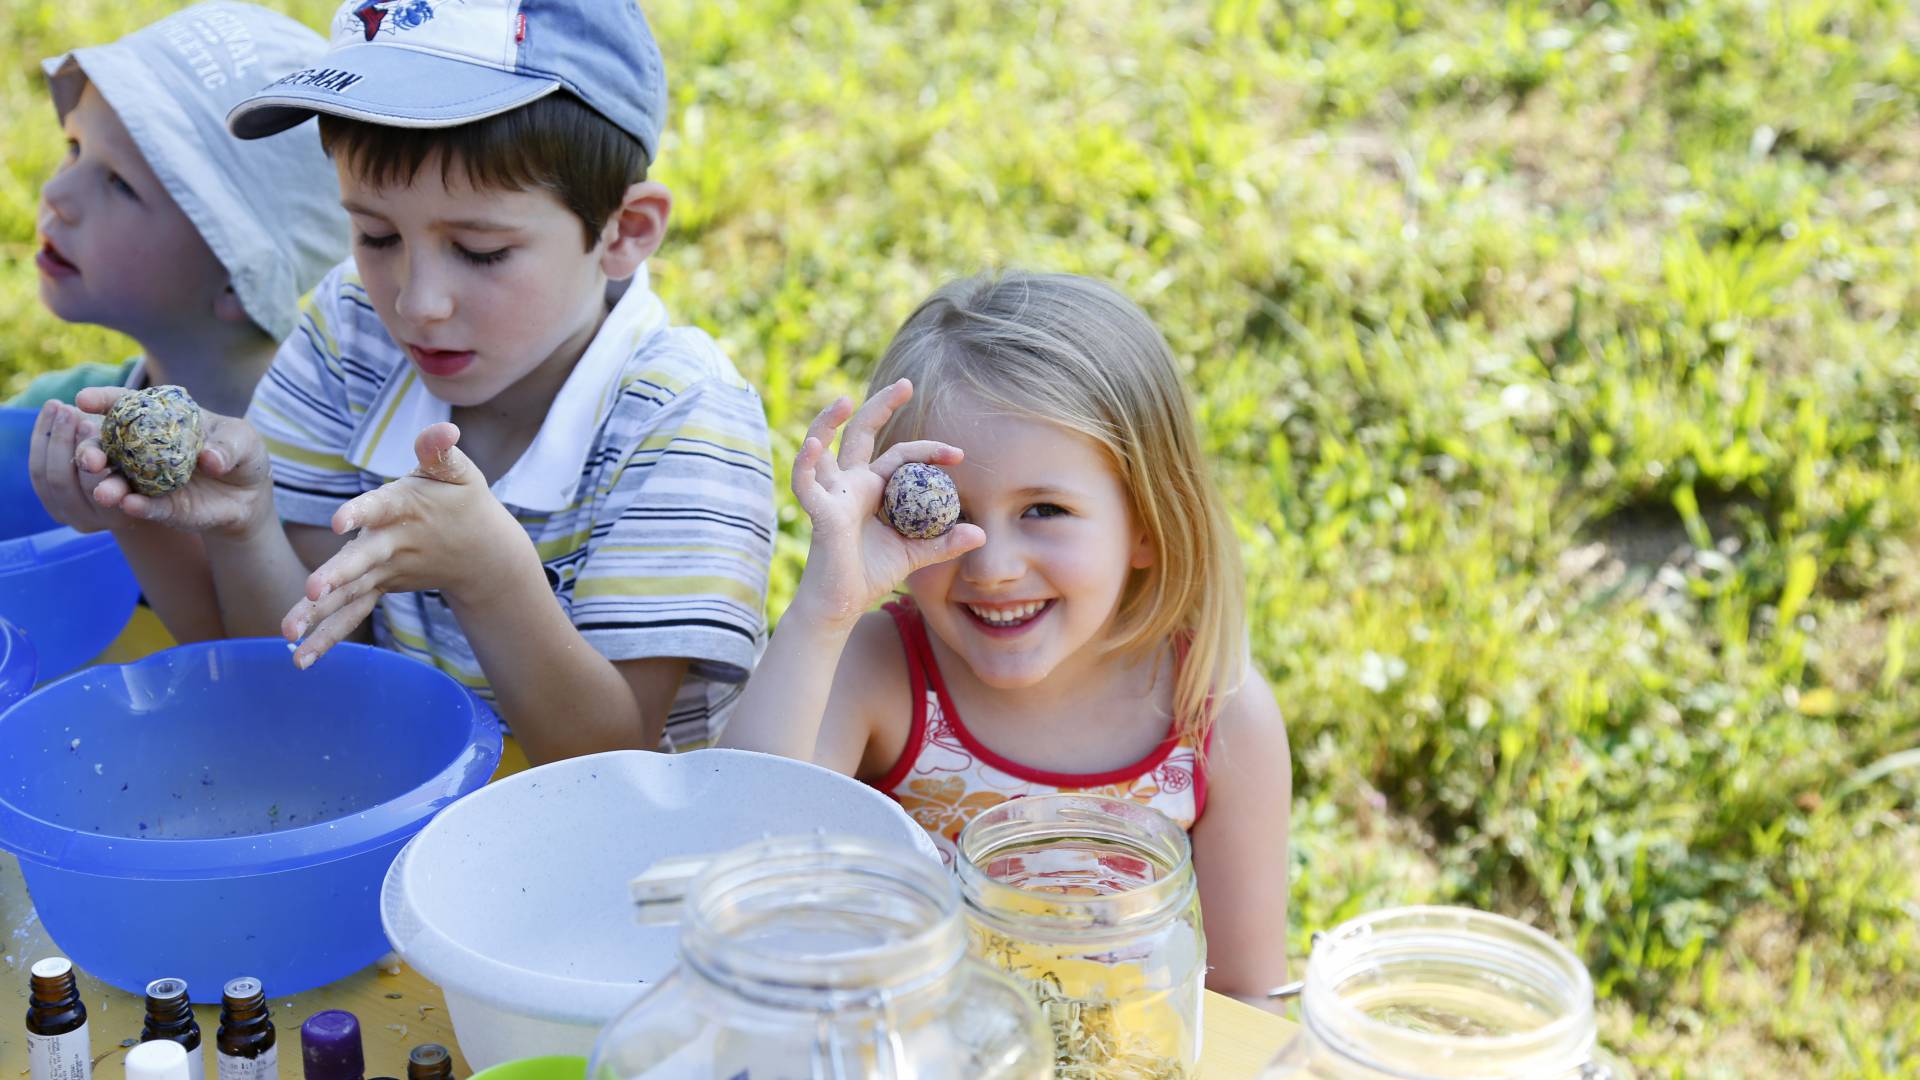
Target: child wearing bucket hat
[
  {"x": 159, "y": 224},
  {"x": 551, "y": 491}
]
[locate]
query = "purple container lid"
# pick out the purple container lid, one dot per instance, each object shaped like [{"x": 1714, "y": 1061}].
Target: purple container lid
[{"x": 330, "y": 1046}]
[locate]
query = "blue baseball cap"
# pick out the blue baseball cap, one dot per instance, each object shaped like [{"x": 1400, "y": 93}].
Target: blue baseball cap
[{"x": 440, "y": 63}]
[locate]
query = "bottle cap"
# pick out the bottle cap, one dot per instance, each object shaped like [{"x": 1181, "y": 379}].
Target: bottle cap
[
  {"x": 167, "y": 989},
  {"x": 242, "y": 988},
  {"x": 52, "y": 967},
  {"x": 330, "y": 1046},
  {"x": 160, "y": 1059},
  {"x": 427, "y": 1055}
]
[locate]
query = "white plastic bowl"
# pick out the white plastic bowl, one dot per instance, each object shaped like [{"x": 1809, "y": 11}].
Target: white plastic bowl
[{"x": 515, "y": 899}]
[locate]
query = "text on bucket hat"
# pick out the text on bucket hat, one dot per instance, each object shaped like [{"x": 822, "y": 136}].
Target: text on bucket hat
[{"x": 269, "y": 210}]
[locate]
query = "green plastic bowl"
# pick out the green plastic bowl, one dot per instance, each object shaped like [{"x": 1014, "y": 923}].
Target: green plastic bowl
[{"x": 552, "y": 1067}]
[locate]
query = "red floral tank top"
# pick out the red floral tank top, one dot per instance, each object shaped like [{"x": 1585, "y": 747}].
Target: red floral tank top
[{"x": 945, "y": 776}]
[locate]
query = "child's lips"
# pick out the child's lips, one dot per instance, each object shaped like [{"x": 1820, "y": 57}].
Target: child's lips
[
  {"x": 440, "y": 362},
  {"x": 50, "y": 262}
]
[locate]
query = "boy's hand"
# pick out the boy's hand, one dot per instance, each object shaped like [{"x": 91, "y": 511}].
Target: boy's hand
[
  {"x": 66, "y": 492},
  {"x": 437, "y": 528},
  {"x": 857, "y": 559},
  {"x": 231, "y": 493}
]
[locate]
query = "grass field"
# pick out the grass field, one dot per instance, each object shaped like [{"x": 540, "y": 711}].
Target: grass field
[{"x": 1561, "y": 361}]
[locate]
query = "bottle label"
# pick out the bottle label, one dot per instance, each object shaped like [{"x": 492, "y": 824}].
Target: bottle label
[
  {"x": 61, "y": 1057},
  {"x": 197, "y": 1063},
  {"x": 264, "y": 1067}
]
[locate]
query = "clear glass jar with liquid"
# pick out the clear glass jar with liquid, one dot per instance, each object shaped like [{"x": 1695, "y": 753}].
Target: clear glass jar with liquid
[
  {"x": 1441, "y": 993},
  {"x": 1091, "y": 904},
  {"x": 807, "y": 958}
]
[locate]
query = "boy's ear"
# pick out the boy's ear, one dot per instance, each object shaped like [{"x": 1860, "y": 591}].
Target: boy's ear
[
  {"x": 227, "y": 307},
  {"x": 635, "y": 230}
]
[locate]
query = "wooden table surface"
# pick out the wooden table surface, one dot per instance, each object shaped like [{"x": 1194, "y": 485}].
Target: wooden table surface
[{"x": 399, "y": 1011}]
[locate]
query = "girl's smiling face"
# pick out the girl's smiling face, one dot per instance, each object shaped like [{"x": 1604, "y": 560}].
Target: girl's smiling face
[{"x": 1061, "y": 545}]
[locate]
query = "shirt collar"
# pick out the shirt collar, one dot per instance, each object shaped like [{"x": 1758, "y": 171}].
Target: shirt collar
[{"x": 549, "y": 470}]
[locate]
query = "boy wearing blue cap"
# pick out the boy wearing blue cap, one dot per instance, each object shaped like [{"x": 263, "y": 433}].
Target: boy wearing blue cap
[
  {"x": 161, "y": 225},
  {"x": 495, "y": 324}
]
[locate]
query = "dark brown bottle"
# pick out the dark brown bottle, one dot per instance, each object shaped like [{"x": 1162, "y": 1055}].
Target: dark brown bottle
[
  {"x": 170, "y": 1017},
  {"x": 245, "y": 1039},
  {"x": 58, "y": 1047},
  {"x": 429, "y": 1061}
]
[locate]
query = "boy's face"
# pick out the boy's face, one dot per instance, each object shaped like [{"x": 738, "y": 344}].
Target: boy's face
[
  {"x": 485, "y": 290},
  {"x": 114, "y": 247}
]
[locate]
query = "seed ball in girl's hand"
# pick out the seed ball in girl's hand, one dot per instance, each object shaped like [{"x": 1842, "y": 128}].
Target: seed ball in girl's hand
[
  {"x": 920, "y": 501},
  {"x": 152, "y": 437}
]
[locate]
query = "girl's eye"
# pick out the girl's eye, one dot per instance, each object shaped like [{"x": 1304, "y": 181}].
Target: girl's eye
[
  {"x": 482, "y": 258},
  {"x": 377, "y": 242},
  {"x": 114, "y": 180},
  {"x": 73, "y": 148},
  {"x": 1046, "y": 510}
]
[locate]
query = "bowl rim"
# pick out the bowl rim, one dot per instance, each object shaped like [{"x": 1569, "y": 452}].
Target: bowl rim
[
  {"x": 61, "y": 847},
  {"x": 19, "y": 663},
  {"x": 564, "y": 998}
]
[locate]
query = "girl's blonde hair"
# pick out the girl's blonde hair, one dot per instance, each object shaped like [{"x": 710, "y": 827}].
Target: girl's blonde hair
[{"x": 1074, "y": 352}]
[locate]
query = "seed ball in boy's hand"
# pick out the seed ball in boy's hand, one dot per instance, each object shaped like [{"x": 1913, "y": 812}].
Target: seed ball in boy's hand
[
  {"x": 152, "y": 437},
  {"x": 920, "y": 501}
]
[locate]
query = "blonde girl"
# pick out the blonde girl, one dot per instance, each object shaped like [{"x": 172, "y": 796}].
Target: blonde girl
[{"x": 1081, "y": 629}]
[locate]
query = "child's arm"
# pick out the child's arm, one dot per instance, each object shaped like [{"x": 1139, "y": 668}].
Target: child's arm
[
  {"x": 171, "y": 566},
  {"x": 854, "y": 562},
  {"x": 255, "y": 567},
  {"x": 1240, "y": 846},
  {"x": 442, "y": 528}
]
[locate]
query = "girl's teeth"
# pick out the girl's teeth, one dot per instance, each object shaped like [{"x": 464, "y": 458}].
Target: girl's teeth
[{"x": 1007, "y": 616}]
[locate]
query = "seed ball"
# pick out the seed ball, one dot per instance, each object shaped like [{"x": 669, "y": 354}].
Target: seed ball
[
  {"x": 920, "y": 501},
  {"x": 152, "y": 437}
]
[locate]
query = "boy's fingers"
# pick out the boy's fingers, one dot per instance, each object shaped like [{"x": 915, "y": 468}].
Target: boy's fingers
[
  {"x": 856, "y": 443},
  {"x": 349, "y": 566},
  {"x": 440, "y": 459},
  {"x": 375, "y": 508},
  {"x": 334, "y": 629},
  {"x": 98, "y": 399},
  {"x": 923, "y": 450}
]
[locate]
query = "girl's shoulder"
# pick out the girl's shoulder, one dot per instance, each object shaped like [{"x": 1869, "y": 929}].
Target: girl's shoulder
[{"x": 1249, "y": 726}]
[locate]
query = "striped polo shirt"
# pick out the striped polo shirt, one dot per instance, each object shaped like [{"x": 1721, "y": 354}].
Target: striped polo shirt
[{"x": 648, "y": 491}]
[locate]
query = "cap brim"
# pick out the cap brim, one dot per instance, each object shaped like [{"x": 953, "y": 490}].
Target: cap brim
[{"x": 390, "y": 85}]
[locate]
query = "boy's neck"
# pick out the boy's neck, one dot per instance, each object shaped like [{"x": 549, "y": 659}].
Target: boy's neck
[{"x": 219, "y": 368}]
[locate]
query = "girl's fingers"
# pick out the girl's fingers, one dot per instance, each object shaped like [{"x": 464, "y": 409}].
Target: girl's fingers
[
  {"x": 922, "y": 450},
  {"x": 112, "y": 490},
  {"x": 856, "y": 443},
  {"x": 830, "y": 419},
  {"x": 334, "y": 629},
  {"x": 806, "y": 467},
  {"x": 956, "y": 542}
]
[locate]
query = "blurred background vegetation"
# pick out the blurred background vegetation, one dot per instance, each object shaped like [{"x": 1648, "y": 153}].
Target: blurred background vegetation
[{"x": 1560, "y": 360}]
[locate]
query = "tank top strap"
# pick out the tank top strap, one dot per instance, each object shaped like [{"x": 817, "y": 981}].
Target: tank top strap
[{"x": 919, "y": 656}]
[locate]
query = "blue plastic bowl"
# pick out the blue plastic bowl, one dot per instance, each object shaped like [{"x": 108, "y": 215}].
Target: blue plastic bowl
[
  {"x": 71, "y": 592},
  {"x": 17, "y": 664},
  {"x": 211, "y": 811}
]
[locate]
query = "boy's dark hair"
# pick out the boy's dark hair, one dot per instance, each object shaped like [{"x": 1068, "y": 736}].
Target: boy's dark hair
[{"x": 555, "y": 142}]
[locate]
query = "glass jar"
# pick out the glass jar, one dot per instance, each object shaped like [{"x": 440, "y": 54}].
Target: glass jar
[
  {"x": 1437, "y": 993},
  {"x": 818, "y": 957},
  {"x": 1091, "y": 904}
]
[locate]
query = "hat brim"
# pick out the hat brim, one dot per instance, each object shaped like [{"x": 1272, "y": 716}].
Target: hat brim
[{"x": 390, "y": 85}]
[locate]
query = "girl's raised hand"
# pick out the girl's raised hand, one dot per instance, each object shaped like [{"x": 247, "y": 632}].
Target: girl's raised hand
[{"x": 857, "y": 559}]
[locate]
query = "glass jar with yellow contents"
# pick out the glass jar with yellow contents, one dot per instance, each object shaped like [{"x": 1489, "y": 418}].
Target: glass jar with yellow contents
[
  {"x": 1442, "y": 993},
  {"x": 1091, "y": 904}
]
